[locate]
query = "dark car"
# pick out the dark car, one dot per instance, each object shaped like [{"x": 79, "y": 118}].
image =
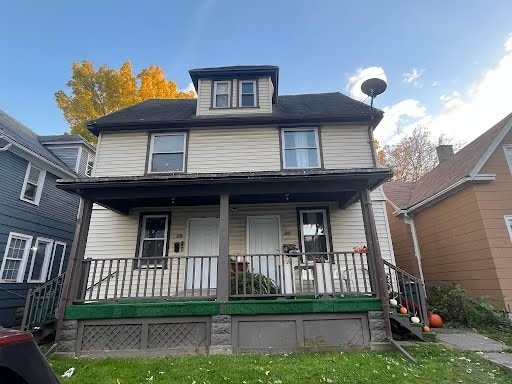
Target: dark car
[{"x": 21, "y": 360}]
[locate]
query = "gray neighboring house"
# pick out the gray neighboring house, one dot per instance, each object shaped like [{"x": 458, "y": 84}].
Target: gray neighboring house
[{"x": 37, "y": 220}]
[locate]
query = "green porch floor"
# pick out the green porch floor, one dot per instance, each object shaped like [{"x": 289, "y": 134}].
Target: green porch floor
[{"x": 131, "y": 309}]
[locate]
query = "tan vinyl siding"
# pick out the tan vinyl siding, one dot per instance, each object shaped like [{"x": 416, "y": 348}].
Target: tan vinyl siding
[
  {"x": 234, "y": 150},
  {"x": 346, "y": 147},
  {"x": 204, "y": 98},
  {"x": 495, "y": 201},
  {"x": 121, "y": 154}
]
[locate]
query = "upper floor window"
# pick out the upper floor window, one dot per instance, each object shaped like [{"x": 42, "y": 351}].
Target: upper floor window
[
  {"x": 221, "y": 94},
  {"x": 167, "y": 152},
  {"x": 33, "y": 185},
  {"x": 300, "y": 148},
  {"x": 247, "y": 93},
  {"x": 90, "y": 165},
  {"x": 508, "y": 155}
]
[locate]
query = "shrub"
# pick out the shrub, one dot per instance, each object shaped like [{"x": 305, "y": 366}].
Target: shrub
[
  {"x": 252, "y": 284},
  {"x": 457, "y": 308}
]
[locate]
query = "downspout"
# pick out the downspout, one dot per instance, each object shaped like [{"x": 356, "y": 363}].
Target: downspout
[
  {"x": 409, "y": 220},
  {"x": 6, "y": 146}
]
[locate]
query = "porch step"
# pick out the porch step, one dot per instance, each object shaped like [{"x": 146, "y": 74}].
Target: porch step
[{"x": 405, "y": 321}]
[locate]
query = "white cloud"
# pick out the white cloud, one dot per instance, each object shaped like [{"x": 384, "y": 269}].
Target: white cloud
[
  {"x": 362, "y": 74},
  {"x": 451, "y": 101},
  {"x": 189, "y": 87},
  {"x": 508, "y": 43},
  {"x": 398, "y": 119},
  {"x": 435, "y": 83},
  {"x": 412, "y": 76}
]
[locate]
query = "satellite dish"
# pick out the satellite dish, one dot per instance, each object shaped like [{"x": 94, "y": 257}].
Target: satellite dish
[{"x": 373, "y": 87}]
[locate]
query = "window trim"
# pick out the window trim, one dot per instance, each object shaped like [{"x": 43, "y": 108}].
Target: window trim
[
  {"x": 508, "y": 224},
  {"x": 255, "y": 85},
  {"x": 52, "y": 260},
  {"x": 89, "y": 169},
  {"x": 317, "y": 142},
  {"x": 40, "y": 185},
  {"x": 46, "y": 261},
  {"x": 214, "y": 101},
  {"x": 506, "y": 148},
  {"x": 151, "y": 146},
  {"x": 142, "y": 227},
  {"x": 26, "y": 253},
  {"x": 327, "y": 223}
]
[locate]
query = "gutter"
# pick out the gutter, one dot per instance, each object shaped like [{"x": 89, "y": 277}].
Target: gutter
[
  {"x": 14, "y": 143},
  {"x": 6, "y": 146}
]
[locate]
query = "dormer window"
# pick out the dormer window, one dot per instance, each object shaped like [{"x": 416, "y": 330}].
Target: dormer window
[
  {"x": 247, "y": 94},
  {"x": 222, "y": 93}
]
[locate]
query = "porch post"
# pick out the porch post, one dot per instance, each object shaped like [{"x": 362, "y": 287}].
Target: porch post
[
  {"x": 375, "y": 260},
  {"x": 76, "y": 255},
  {"x": 223, "y": 283}
]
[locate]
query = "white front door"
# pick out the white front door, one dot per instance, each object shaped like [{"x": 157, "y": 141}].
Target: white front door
[
  {"x": 263, "y": 239},
  {"x": 203, "y": 240}
]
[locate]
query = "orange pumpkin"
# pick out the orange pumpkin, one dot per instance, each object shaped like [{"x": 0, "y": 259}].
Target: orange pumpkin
[
  {"x": 426, "y": 329},
  {"x": 435, "y": 321},
  {"x": 403, "y": 310}
]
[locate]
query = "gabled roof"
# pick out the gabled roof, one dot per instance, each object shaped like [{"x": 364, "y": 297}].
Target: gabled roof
[
  {"x": 66, "y": 138},
  {"x": 15, "y": 131},
  {"x": 182, "y": 113},
  {"x": 465, "y": 163}
]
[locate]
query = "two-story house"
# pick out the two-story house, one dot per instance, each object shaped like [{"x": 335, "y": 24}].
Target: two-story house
[
  {"x": 198, "y": 209},
  {"x": 37, "y": 220}
]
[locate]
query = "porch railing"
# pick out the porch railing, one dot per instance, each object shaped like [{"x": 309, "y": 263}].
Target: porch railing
[
  {"x": 301, "y": 274},
  {"x": 407, "y": 290},
  {"x": 42, "y": 303},
  {"x": 191, "y": 277}
]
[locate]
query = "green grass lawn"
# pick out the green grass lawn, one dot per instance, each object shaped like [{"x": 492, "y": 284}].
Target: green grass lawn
[{"x": 436, "y": 364}]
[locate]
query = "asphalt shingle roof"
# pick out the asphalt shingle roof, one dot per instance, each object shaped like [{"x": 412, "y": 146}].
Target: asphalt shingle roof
[
  {"x": 27, "y": 138},
  {"x": 405, "y": 195},
  {"x": 171, "y": 110}
]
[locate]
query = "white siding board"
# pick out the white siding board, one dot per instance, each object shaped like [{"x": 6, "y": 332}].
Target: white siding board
[
  {"x": 346, "y": 147},
  {"x": 232, "y": 150},
  {"x": 122, "y": 154}
]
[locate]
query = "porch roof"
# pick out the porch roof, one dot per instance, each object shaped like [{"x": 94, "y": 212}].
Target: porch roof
[{"x": 121, "y": 193}]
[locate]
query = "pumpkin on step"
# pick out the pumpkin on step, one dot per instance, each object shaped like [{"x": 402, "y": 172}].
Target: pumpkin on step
[
  {"x": 415, "y": 319},
  {"x": 426, "y": 329},
  {"x": 435, "y": 321},
  {"x": 393, "y": 302},
  {"x": 403, "y": 310}
]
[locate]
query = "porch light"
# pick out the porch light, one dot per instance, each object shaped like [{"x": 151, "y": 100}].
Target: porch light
[
  {"x": 173, "y": 200},
  {"x": 287, "y": 196}
]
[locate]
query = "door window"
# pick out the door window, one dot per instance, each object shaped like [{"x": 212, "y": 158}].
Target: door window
[{"x": 314, "y": 233}]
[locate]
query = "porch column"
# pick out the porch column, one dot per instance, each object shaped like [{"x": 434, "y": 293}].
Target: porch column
[
  {"x": 375, "y": 260},
  {"x": 223, "y": 283},
  {"x": 76, "y": 255}
]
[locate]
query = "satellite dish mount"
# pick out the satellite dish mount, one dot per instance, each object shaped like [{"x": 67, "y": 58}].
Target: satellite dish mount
[{"x": 373, "y": 88}]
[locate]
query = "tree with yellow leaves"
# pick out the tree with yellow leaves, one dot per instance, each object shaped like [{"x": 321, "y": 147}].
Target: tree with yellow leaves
[{"x": 95, "y": 93}]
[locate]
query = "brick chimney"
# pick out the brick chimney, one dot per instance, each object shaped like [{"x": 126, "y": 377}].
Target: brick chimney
[{"x": 444, "y": 152}]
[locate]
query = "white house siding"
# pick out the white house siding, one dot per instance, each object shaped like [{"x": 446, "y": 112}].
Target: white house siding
[
  {"x": 234, "y": 150},
  {"x": 346, "y": 147},
  {"x": 121, "y": 154},
  {"x": 204, "y": 99}
]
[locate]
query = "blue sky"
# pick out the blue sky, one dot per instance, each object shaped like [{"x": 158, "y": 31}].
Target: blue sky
[{"x": 453, "y": 47}]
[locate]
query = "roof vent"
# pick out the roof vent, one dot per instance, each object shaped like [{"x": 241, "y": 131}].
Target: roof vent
[{"x": 444, "y": 152}]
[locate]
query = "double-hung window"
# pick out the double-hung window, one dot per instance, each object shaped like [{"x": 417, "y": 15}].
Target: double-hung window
[
  {"x": 247, "y": 93},
  {"x": 167, "y": 152},
  {"x": 508, "y": 155},
  {"x": 90, "y": 165},
  {"x": 221, "y": 94},
  {"x": 41, "y": 254},
  {"x": 15, "y": 258},
  {"x": 33, "y": 185},
  {"x": 301, "y": 148},
  {"x": 314, "y": 233},
  {"x": 153, "y": 238}
]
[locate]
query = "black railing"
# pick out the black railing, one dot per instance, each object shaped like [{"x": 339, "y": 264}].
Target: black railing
[
  {"x": 191, "y": 277},
  {"x": 41, "y": 304},
  {"x": 301, "y": 274},
  {"x": 407, "y": 290}
]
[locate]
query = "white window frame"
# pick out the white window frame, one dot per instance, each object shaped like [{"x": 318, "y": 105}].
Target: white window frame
[
  {"x": 254, "y": 84},
  {"x": 90, "y": 165},
  {"x": 317, "y": 143},
  {"x": 40, "y": 185},
  {"x": 215, "y": 83},
  {"x": 508, "y": 223},
  {"x": 507, "y": 148},
  {"x": 142, "y": 238},
  {"x": 46, "y": 261},
  {"x": 151, "y": 152},
  {"x": 23, "y": 264},
  {"x": 326, "y": 230},
  {"x": 61, "y": 263}
]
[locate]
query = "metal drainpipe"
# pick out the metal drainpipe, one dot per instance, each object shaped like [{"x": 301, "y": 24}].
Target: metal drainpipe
[
  {"x": 409, "y": 220},
  {"x": 6, "y": 146}
]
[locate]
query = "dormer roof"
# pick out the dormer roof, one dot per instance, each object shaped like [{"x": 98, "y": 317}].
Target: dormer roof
[{"x": 238, "y": 71}]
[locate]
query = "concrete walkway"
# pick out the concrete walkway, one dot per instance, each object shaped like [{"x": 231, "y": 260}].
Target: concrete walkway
[{"x": 489, "y": 349}]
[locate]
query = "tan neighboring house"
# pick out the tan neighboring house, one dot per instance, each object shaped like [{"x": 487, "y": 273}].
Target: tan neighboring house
[{"x": 455, "y": 223}]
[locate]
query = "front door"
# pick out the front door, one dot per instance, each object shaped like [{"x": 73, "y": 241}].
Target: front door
[
  {"x": 263, "y": 239},
  {"x": 203, "y": 240}
]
